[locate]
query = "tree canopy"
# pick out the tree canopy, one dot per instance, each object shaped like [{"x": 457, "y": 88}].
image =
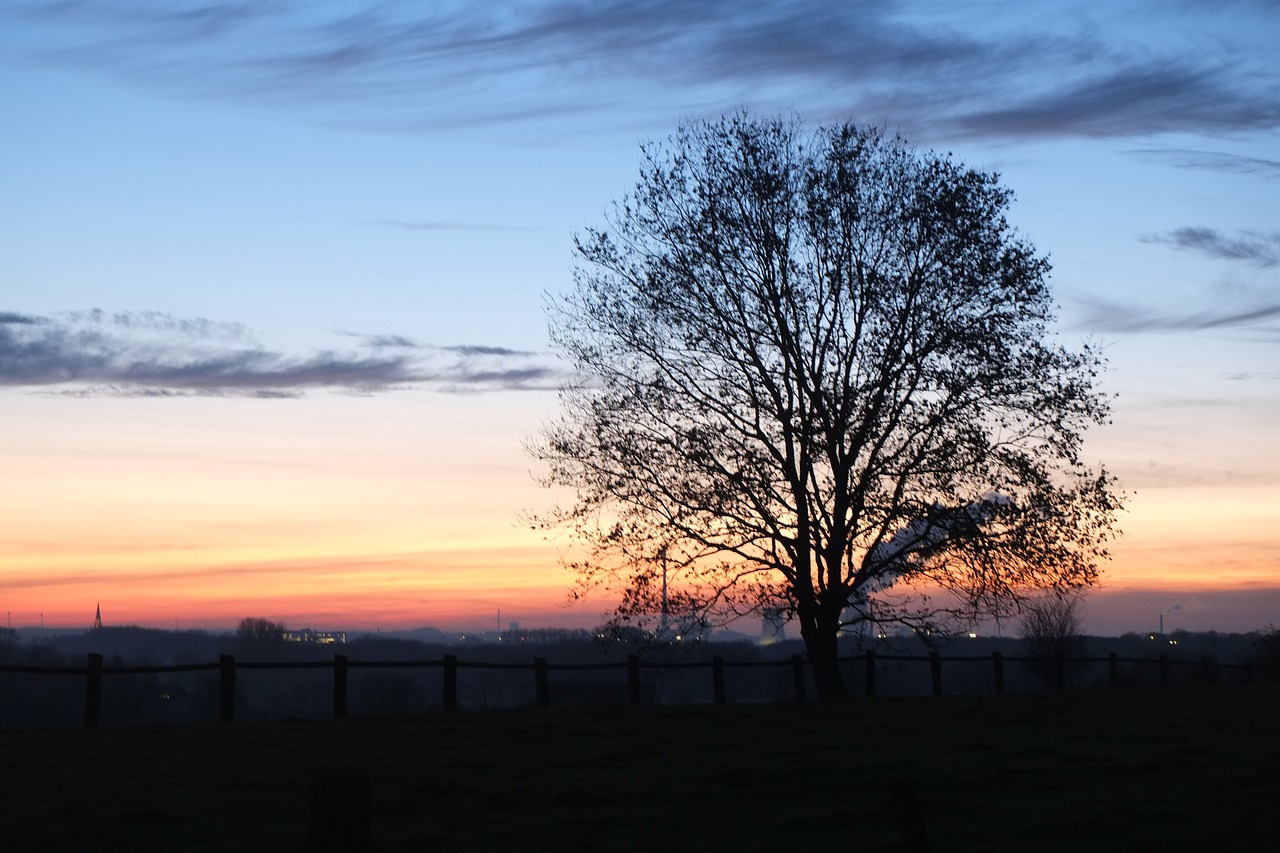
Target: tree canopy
[
  {"x": 813, "y": 368},
  {"x": 257, "y": 631}
]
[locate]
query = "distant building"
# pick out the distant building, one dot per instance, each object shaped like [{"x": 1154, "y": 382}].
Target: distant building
[
  {"x": 321, "y": 638},
  {"x": 97, "y": 617}
]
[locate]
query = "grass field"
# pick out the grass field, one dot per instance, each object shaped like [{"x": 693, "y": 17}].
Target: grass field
[{"x": 1193, "y": 769}]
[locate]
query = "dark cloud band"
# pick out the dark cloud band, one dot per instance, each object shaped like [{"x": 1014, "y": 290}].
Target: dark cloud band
[
  {"x": 156, "y": 354},
  {"x": 1262, "y": 250},
  {"x": 1001, "y": 73}
]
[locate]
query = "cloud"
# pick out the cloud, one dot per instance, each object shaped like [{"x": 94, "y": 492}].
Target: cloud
[
  {"x": 1107, "y": 316},
  {"x": 1088, "y": 70},
  {"x": 1218, "y": 161},
  {"x": 1125, "y": 101},
  {"x": 1253, "y": 375},
  {"x": 158, "y": 355},
  {"x": 485, "y": 350},
  {"x": 1261, "y": 250}
]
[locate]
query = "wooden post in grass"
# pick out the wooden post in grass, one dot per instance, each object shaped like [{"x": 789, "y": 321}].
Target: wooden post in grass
[
  {"x": 226, "y": 688},
  {"x": 935, "y": 670},
  {"x": 93, "y": 691},
  {"x": 1208, "y": 670},
  {"x": 902, "y": 792},
  {"x": 717, "y": 679},
  {"x": 449, "y": 695},
  {"x": 339, "y": 686},
  {"x": 797, "y": 675},
  {"x": 542, "y": 687},
  {"x": 341, "y": 813},
  {"x": 997, "y": 665},
  {"x": 633, "y": 679},
  {"x": 869, "y": 673}
]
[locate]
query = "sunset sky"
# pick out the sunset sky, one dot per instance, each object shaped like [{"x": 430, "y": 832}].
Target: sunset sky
[{"x": 272, "y": 277}]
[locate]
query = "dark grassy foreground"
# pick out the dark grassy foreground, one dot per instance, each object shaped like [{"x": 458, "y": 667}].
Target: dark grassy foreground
[{"x": 1180, "y": 770}]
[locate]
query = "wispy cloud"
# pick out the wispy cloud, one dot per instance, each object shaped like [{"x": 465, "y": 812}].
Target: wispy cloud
[
  {"x": 1262, "y": 250},
  {"x": 1125, "y": 101},
  {"x": 155, "y": 354},
  {"x": 1101, "y": 315},
  {"x": 1218, "y": 161},
  {"x": 1000, "y": 70}
]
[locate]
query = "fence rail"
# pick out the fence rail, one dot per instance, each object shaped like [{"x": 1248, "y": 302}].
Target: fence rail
[{"x": 227, "y": 668}]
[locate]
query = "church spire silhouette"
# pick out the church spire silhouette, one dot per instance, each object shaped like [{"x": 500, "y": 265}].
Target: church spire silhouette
[{"x": 97, "y": 617}]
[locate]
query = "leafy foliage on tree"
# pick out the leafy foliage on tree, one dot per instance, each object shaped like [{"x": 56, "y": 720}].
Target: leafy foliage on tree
[{"x": 815, "y": 368}]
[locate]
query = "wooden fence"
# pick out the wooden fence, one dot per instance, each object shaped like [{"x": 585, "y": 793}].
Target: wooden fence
[{"x": 227, "y": 668}]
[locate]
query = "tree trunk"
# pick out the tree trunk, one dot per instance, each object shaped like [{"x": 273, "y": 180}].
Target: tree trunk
[{"x": 824, "y": 655}]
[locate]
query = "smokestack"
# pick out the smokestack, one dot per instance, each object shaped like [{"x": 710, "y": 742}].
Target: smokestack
[{"x": 1162, "y": 624}]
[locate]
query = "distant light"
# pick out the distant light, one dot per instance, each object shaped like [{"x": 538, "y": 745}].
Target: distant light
[{"x": 973, "y": 635}]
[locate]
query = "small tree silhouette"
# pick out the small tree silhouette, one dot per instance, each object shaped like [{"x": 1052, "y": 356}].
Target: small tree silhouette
[
  {"x": 1267, "y": 653},
  {"x": 256, "y": 632},
  {"x": 1050, "y": 633}
]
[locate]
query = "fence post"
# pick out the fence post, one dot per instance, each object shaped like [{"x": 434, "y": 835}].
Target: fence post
[
  {"x": 339, "y": 686},
  {"x": 869, "y": 674},
  {"x": 226, "y": 688},
  {"x": 1113, "y": 664},
  {"x": 341, "y": 813},
  {"x": 449, "y": 695},
  {"x": 542, "y": 688},
  {"x": 717, "y": 678},
  {"x": 902, "y": 793},
  {"x": 997, "y": 665},
  {"x": 935, "y": 670},
  {"x": 633, "y": 679},
  {"x": 797, "y": 675},
  {"x": 1164, "y": 670},
  {"x": 93, "y": 691},
  {"x": 1208, "y": 670}
]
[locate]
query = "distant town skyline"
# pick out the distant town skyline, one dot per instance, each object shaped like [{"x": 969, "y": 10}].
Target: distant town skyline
[{"x": 272, "y": 278}]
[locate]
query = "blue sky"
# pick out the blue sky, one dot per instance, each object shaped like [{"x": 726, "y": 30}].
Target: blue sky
[{"x": 356, "y": 209}]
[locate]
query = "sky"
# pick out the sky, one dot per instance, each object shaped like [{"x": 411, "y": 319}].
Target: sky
[{"x": 273, "y": 277}]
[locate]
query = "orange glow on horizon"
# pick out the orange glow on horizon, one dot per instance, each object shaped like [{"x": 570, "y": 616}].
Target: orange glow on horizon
[{"x": 405, "y": 515}]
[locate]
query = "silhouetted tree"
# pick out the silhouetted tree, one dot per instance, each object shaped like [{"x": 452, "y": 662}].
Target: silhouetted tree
[
  {"x": 256, "y": 632},
  {"x": 9, "y": 645},
  {"x": 1050, "y": 630},
  {"x": 1267, "y": 653},
  {"x": 812, "y": 366}
]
